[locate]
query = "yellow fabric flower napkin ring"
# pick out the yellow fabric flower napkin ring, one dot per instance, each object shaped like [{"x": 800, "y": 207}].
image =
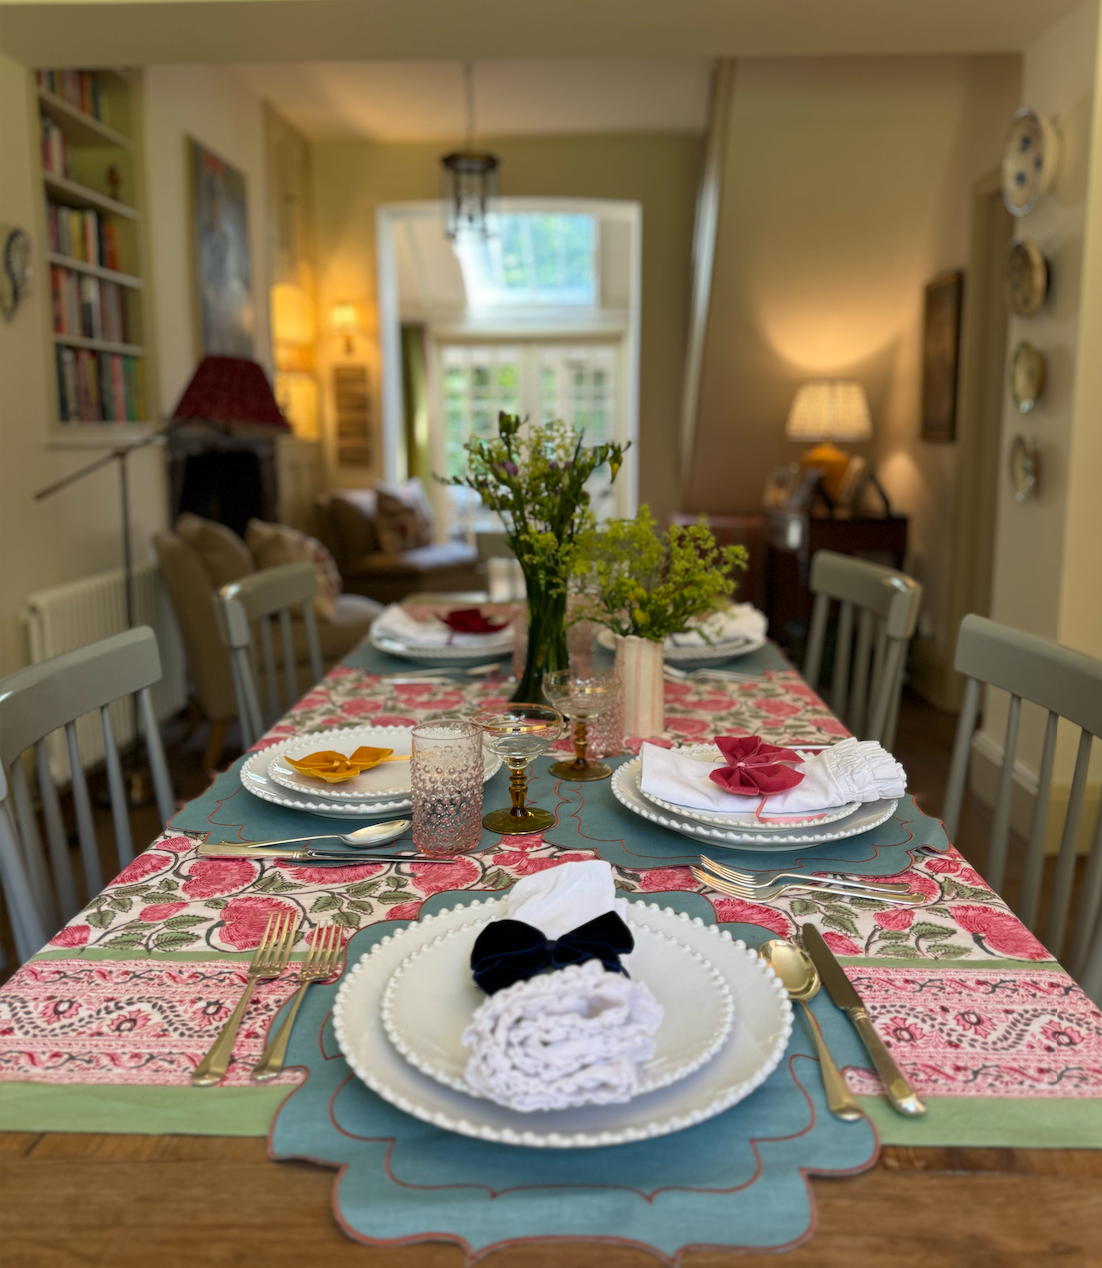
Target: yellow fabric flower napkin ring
[{"x": 335, "y": 768}]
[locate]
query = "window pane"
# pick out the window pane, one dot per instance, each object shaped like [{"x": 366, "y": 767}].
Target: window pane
[
  {"x": 478, "y": 383},
  {"x": 577, "y": 384},
  {"x": 532, "y": 259}
]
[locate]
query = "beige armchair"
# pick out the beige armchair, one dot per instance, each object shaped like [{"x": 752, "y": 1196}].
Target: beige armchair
[{"x": 198, "y": 560}]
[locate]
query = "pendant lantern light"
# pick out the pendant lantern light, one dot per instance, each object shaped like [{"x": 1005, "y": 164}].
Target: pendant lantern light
[{"x": 469, "y": 179}]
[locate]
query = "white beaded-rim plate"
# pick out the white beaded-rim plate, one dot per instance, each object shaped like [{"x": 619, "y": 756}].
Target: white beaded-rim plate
[
  {"x": 742, "y": 818},
  {"x": 384, "y": 782},
  {"x": 755, "y": 1047},
  {"x": 254, "y": 778},
  {"x": 493, "y": 647},
  {"x": 625, "y": 788},
  {"x": 703, "y": 656},
  {"x": 432, "y": 996}
]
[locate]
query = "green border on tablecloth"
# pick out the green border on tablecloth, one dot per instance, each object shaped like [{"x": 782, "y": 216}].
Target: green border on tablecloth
[{"x": 974, "y": 1122}]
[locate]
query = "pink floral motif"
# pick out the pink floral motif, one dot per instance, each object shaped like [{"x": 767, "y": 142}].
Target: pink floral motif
[
  {"x": 71, "y": 936},
  {"x": 403, "y": 911},
  {"x": 969, "y": 876},
  {"x": 1062, "y": 1036},
  {"x": 999, "y": 931},
  {"x": 895, "y": 918},
  {"x": 524, "y": 864},
  {"x": 777, "y": 708},
  {"x": 54, "y": 1011},
  {"x": 656, "y": 879},
  {"x": 394, "y": 720},
  {"x": 331, "y": 875},
  {"x": 917, "y": 881},
  {"x": 209, "y": 877},
  {"x": 246, "y": 919},
  {"x": 127, "y": 1023},
  {"x": 360, "y": 708},
  {"x": 160, "y": 911},
  {"x": 142, "y": 868},
  {"x": 975, "y": 1022},
  {"x": 633, "y": 743},
  {"x": 712, "y": 704},
  {"x": 902, "y": 1030},
  {"x": 941, "y": 865},
  {"x": 178, "y": 845},
  {"x": 435, "y": 878},
  {"x": 733, "y": 911},
  {"x": 840, "y": 944},
  {"x": 688, "y": 726},
  {"x": 831, "y": 726}
]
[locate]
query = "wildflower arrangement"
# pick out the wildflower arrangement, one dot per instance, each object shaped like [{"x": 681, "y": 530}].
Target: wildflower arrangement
[
  {"x": 536, "y": 481},
  {"x": 651, "y": 584}
]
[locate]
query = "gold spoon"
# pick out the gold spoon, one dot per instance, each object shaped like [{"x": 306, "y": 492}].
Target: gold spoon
[{"x": 800, "y": 979}]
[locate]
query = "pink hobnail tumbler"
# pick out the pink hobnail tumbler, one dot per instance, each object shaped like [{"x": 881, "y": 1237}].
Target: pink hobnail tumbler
[{"x": 446, "y": 772}]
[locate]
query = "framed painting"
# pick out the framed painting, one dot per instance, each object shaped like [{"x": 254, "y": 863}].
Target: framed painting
[
  {"x": 223, "y": 285},
  {"x": 941, "y": 356}
]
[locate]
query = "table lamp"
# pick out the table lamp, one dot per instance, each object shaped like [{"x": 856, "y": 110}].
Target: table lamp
[{"x": 827, "y": 410}]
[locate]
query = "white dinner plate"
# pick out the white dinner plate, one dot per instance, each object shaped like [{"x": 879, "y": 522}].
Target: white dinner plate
[
  {"x": 384, "y": 782},
  {"x": 709, "y": 754},
  {"x": 254, "y": 778},
  {"x": 704, "y": 657},
  {"x": 757, "y": 1042},
  {"x": 496, "y": 646},
  {"x": 432, "y": 995},
  {"x": 625, "y": 788}
]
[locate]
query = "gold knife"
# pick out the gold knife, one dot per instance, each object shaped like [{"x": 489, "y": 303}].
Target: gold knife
[{"x": 902, "y": 1096}]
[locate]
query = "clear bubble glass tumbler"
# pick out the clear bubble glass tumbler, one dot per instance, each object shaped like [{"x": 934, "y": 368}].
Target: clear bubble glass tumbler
[{"x": 446, "y": 772}]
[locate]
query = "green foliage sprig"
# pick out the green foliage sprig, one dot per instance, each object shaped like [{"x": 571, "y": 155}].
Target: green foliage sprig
[
  {"x": 536, "y": 482},
  {"x": 652, "y": 584}
]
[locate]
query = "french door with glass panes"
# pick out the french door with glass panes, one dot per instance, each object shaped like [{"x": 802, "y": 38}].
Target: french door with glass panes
[{"x": 576, "y": 380}]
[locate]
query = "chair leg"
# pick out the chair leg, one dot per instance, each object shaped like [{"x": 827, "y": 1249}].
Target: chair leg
[{"x": 212, "y": 754}]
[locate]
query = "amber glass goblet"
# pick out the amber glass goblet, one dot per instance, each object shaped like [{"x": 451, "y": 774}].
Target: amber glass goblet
[
  {"x": 581, "y": 699},
  {"x": 519, "y": 734}
]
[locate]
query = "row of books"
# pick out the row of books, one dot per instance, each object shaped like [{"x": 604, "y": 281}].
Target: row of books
[
  {"x": 55, "y": 151},
  {"x": 78, "y": 87},
  {"x": 86, "y": 306},
  {"x": 82, "y": 235},
  {"x": 99, "y": 387}
]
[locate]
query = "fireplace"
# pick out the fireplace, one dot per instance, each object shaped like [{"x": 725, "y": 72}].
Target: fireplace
[{"x": 221, "y": 445}]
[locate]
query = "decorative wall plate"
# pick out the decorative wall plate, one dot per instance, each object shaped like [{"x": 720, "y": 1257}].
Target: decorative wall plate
[
  {"x": 1027, "y": 376},
  {"x": 1027, "y": 277},
  {"x": 751, "y": 1053},
  {"x": 431, "y": 998},
  {"x": 1025, "y": 469},
  {"x": 1030, "y": 156}
]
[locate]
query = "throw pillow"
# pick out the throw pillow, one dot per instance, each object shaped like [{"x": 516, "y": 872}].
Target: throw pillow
[
  {"x": 276, "y": 544},
  {"x": 404, "y": 516},
  {"x": 353, "y": 514},
  {"x": 224, "y": 555}
]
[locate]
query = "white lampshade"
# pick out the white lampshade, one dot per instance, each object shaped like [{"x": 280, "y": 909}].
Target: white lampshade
[{"x": 829, "y": 409}]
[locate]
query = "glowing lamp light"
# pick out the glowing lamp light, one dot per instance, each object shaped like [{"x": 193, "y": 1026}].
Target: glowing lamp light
[
  {"x": 344, "y": 320},
  {"x": 827, "y": 410}
]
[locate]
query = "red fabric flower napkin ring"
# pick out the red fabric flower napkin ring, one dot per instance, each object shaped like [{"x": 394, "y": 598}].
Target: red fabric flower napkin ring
[
  {"x": 755, "y": 766},
  {"x": 471, "y": 621}
]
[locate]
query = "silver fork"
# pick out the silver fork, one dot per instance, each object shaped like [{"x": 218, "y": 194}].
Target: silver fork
[
  {"x": 321, "y": 960},
  {"x": 755, "y": 879},
  {"x": 724, "y": 675},
  {"x": 269, "y": 960},
  {"x": 764, "y": 892}
]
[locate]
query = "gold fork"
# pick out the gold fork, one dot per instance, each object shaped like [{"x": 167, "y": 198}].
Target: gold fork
[
  {"x": 269, "y": 960},
  {"x": 321, "y": 960}
]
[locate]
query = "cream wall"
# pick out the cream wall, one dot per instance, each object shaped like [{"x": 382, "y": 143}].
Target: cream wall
[
  {"x": 77, "y": 532},
  {"x": 213, "y": 106},
  {"x": 351, "y": 178},
  {"x": 1048, "y": 554},
  {"x": 847, "y": 186}
]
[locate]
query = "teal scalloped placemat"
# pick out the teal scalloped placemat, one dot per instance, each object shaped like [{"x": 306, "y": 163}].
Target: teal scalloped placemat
[{"x": 735, "y": 1182}]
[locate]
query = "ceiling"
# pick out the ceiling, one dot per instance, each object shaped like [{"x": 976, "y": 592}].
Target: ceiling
[
  {"x": 423, "y": 101},
  {"x": 136, "y": 32}
]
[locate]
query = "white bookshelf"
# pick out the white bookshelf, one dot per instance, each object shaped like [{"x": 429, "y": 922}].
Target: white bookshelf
[{"x": 95, "y": 265}]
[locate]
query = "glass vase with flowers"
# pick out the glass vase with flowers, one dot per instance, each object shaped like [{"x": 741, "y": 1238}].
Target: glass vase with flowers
[
  {"x": 645, "y": 585},
  {"x": 534, "y": 477}
]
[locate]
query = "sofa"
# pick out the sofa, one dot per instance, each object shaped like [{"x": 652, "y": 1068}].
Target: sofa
[
  {"x": 198, "y": 559},
  {"x": 385, "y": 554}
]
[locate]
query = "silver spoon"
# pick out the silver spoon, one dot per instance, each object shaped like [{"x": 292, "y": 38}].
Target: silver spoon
[
  {"x": 366, "y": 837},
  {"x": 800, "y": 979}
]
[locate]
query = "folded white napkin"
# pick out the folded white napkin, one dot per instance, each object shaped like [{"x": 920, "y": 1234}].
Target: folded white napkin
[
  {"x": 561, "y": 898},
  {"x": 853, "y": 770},
  {"x": 396, "y": 623},
  {"x": 563, "y": 1039},
  {"x": 741, "y": 622}
]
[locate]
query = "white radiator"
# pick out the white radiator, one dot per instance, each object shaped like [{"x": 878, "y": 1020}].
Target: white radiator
[{"x": 82, "y": 612}]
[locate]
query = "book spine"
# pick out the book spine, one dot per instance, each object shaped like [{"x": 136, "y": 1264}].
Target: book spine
[
  {"x": 74, "y": 312},
  {"x": 91, "y": 237},
  {"x": 59, "y": 367},
  {"x": 118, "y": 380},
  {"x": 57, "y": 299}
]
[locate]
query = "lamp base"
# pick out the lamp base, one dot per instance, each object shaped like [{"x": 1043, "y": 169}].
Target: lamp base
[{"x": 832, "y": 461}]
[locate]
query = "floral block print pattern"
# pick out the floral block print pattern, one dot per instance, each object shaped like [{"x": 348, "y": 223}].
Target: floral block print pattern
[{"x": 982, "y": 1032}]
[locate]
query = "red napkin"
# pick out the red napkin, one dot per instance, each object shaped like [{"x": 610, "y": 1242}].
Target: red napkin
[
  {"x": 756, "y": 767},
  {"x": 471, "y": 621}
]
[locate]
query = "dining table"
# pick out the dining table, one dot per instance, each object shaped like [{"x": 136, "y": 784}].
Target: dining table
[{"x": 108, "y": 1154}]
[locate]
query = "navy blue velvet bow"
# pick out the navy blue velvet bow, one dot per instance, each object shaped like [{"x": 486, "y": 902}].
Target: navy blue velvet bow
[{"x": 509, "y": 951}]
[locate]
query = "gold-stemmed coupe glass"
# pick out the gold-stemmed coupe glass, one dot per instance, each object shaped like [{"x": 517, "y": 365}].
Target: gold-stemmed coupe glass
[
  {"x": 519, "y": 734},
  {"x": 582, "y": 699}
]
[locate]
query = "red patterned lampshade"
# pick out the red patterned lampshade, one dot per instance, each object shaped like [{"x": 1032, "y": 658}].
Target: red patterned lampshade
[{"x": 227, "y": 391}]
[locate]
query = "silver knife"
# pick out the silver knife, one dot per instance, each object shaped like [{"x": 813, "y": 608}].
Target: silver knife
[
  {"x": 228, "y": 850},
  {"x": 902, "y": 1096}
]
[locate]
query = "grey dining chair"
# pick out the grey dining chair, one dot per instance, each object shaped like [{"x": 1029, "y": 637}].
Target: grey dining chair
[
  {"x": 883, "y": 603},
  {"x": 1068, "y": 684},
  {"x": 47, "y": 697},
  {"x": 256, "y": 600}
]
